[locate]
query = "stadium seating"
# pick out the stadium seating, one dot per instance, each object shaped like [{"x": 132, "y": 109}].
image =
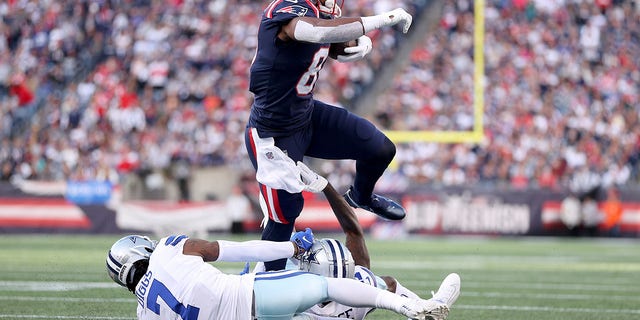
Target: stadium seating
[{"x": 95, "y": 91}]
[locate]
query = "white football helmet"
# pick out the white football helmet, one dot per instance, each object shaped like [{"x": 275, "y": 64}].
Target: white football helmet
[
  {"x": 122, "y": 256},
  {"x": 329, "y": 258},
  {"x": 330, "y": 8}
]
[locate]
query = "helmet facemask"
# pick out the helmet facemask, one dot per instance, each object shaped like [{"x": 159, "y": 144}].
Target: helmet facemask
[
  {"x": 128, "y": 255},
  {"x": 331, "y": 8}
]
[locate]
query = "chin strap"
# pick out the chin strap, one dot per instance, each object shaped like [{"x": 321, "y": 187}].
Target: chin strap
[{"x": 330, "y": 8}]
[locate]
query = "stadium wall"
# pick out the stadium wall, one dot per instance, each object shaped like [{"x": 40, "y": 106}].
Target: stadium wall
[{"x": 47, "y": 208}]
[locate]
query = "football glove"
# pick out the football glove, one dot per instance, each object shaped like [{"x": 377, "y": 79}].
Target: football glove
[
  {"x": 397, "y": 16},
  {"x": 400, "y": 17},
  {"x": 303, "y": 240},
  {"x": 313, "y": 182},
  {"x": 357, "y": 52}
]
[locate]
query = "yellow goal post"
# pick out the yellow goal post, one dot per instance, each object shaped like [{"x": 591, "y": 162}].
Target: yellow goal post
[{"x": 477, "y": 134}]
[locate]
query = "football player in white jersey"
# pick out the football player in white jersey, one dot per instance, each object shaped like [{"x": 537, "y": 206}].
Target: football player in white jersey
[
  {"x": 330, "y": 258},
  {"x": 172, "y": 279}
]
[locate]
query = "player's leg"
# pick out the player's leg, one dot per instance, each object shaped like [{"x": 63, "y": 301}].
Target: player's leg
[
  {"x": 279, "y": 206},
  {"x": 281, "y": 294},
  {"x": 357, "y": 294},
  {"x": 339, "y": 134},
  {"x": 447, "y": 293},
  {"x": 394, "y": 286}
]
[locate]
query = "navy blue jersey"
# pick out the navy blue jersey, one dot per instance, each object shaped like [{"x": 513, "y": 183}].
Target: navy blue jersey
[{"x": 284, "y": 73}]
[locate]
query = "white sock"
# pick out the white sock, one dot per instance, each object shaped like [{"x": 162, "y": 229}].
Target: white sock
[
  {"x": 391, "y": 301},
  {"x": 405, "y": 292},
  {"x": 357, "y": 294}
]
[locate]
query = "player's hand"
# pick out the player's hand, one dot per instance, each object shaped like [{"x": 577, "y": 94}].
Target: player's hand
[
  {"x": 313, "y": 181},
  {"x": 357, "y": 52},
  {"x": 400, "y": 17},
  {"x": 303, "y": 241}
]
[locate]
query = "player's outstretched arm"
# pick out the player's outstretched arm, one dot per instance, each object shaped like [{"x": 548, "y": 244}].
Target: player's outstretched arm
[
  {"x": 350, "y": 226},
  {"x": 253, "y": 250},
  {"x": 317, "y": 30}
]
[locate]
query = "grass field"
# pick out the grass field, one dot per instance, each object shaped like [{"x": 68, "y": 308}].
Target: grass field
[{"x": 63, "y": 277}]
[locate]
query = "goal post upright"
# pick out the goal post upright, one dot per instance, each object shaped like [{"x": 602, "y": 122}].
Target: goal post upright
[{"x": 477, "y": 134}]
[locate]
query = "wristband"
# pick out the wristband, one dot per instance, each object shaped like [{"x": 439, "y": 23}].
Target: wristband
[{"x": 373, "y": 22}]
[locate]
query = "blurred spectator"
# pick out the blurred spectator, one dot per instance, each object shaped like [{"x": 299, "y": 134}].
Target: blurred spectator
[
  {"x": 97, "y": 90},
  {"x": 181, "y": 173},
  {"x": 612, "y": 213},
  {"x": 560, "y": 89},
  {"x": 7, "y": 171},
  {"x": 239, "y": 209}
]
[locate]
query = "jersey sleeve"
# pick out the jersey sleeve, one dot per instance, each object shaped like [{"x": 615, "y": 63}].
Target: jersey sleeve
[
  {"x": 283, "y": 11},
  {"x": 168, "y": 248},
  {"x": 173, "y": 243}
]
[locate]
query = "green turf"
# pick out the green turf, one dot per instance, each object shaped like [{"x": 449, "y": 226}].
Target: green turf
[{"x": 63, "y": 277}]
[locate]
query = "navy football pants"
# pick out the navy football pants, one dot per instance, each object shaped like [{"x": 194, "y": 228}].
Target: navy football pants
[{"x": 334, "y": 133}]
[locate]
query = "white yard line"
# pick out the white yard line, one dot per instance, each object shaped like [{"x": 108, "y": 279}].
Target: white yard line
[
  {"x": 53, "y": 285},
  {"x": 465, "y": 307},
  {"x": 131, "y": 300},
  {"x": 36, "y": 316},
  {"x": 629, "y": 287},
  {"x": 567, "y": 296},
  {"x": 546, "y": 309}
]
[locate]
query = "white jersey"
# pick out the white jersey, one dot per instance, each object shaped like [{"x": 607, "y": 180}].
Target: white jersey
[
  {"x": 336, "y": 310},
  {"x": 184, "y": 287}
]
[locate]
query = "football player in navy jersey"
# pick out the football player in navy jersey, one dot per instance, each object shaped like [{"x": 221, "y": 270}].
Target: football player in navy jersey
[{"x": 294, "y": 39}]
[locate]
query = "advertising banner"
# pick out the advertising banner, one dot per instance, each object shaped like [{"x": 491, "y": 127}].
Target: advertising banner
[{"x": 88, "y": 192}]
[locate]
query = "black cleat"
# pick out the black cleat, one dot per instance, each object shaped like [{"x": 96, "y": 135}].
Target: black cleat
[{"x": 381, "y": 206}]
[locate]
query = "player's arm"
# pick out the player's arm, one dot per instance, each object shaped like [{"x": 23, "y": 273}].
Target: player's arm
[
  {"x": 350, "y": 226},
  {"x": 316, "y": 30},
  {"x": 343, "y": 212},
  {"x": 253, "y": 250}
]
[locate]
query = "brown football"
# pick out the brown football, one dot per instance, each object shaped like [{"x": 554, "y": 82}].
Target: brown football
[{"x": 338, "y": 48}]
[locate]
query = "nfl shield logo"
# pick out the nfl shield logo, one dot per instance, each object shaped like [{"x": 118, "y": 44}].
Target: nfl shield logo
[{"x": 270, "y": 155}]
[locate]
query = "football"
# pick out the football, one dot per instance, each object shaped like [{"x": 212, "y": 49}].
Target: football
[{"x": 338, "y": 48}]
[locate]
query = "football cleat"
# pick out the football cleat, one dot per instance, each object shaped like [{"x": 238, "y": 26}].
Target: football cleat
[
  {"x": 381, "y": 206},
  {"x": 449, "y": 290},
  {"x": 437, "y": 308},
  {"x": 418, "y": 309}
]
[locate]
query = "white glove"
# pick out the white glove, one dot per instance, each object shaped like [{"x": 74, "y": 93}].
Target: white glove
[
  {"x": 357, "y": 52},
  {"x": 401, "y": 18},
  {"x": 313, "y": 182},
  {"x": 397, "y": 16}
]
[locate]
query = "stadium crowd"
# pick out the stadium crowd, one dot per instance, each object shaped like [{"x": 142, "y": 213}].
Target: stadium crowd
[
  {"x": 97, "y": 90},
  {"x": 561, "y": 91}
]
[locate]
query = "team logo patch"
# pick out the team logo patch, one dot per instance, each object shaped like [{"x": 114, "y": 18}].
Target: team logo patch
[
  {"x": 270, "y": 155},
  {"x": 300, "y": 11}
]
